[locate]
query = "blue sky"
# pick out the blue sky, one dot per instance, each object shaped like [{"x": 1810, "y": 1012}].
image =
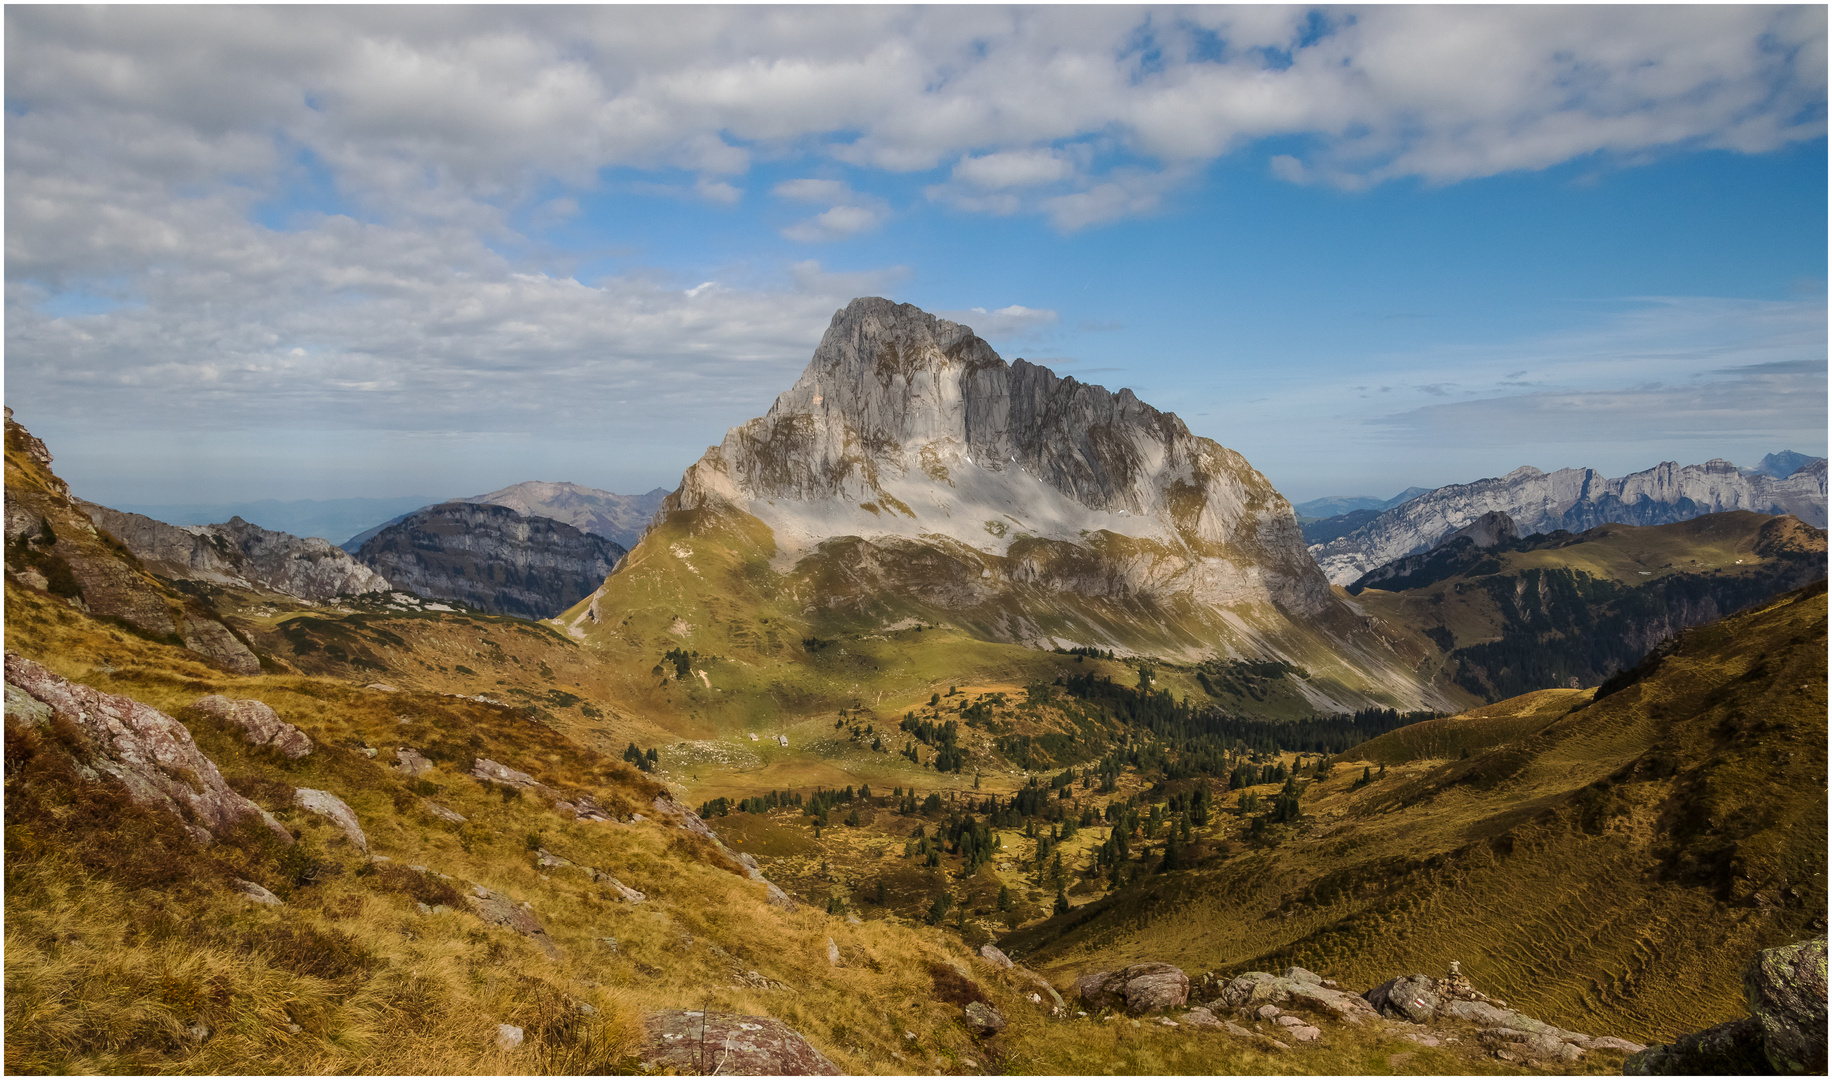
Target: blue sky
[{"x": 322, "y": 253}]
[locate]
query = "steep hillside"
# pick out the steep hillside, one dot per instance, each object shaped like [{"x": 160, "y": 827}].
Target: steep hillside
[
  {"x": 1573, "y": 500},
  {"x": 913, "y": 478},
  {"x": 1511, "y": 614},
  {"x": 239, "y": 555},
  {"x": 52, "y": 547},
  {"x": 491, "y": 558},
  {"x": 1610, "y": 859}
]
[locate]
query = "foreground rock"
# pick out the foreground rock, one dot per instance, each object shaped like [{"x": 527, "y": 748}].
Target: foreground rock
[
  {"x": 1785, "y": 989},
  {"x": 729, "y": 1044},
  {"x": 495, "y": 908},
  {"x": 1138, "y": 988},
  {"x": 1274, "y": 1002},
  {"x": 259, "y": 723},
  {"x": 150, "y": 753},
  {"x": 327, "y": 805}
]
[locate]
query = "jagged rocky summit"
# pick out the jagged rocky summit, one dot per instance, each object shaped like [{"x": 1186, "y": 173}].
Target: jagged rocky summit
[
  {"x": 915, "y": 461},
  {"x": 491, "y": 558},
  {"x": 1574, "y": 500},
  {"x": 238, "y": 554}
]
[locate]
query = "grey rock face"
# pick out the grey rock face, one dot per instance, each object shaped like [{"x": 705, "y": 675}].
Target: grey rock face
[
  {"x": 994, "y": 956},
  {"x": 261, "y": 725},
  {"x": 1574, "y": 500},
  {"x": 691, "y": 1041},
  {"x": 239, "y": 554},
  {"x": 491, "y": 558},
  {"x": 495, "y": 908},
  {"x": 1294, "y": 990},
  {"x": 150, "y": 753}
]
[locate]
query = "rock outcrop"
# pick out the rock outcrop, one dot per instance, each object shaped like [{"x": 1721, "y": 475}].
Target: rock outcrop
[
  {"x": 329, "y": 806},
  {"x": 241, "y": 555},
  {"x": 1574, "y": 500},
  {"x": 1136, "y": 988},
  {"x": 151, "y": 754},
  {"x": 621, "y": 519},
  {"x": 260, "y": 724},
  {"x": 709, "y": 1043},
  {"x": 53, "y": 547},
  {"x": 491, "y": 558},
  {"x": 1785, "y": 1032}
]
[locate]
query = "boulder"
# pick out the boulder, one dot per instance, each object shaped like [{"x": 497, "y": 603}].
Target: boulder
[
  {"x": 1786, "y": 991},
  {"x": 328, "y": 805},
  {"x": 1201, "y": 1017},
  {"x": 982, "y": 1018},
  {"x": 151, "y": 754},
  {"x": 729, "y": 1044},
  {"x": 991, "y": 954},
  {"x": 444, "y": 813},
  {"x": 1137, "y": 988},
  {"x": 1302, "y": 975},
  {"x": 508, "y": 1037},
  {"x": 260, "y": 725},
  {"x": 1409, "y": 997},
  {"x": 833, "y": 954},
  {"x": 255, "y": 892},
  {"x": 411, "y": 762},
  {"x": 495, "y": 908}
]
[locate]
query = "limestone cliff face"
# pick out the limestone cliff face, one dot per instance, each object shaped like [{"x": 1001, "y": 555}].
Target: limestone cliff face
[
  {"x": 239, "y": 554},
  {"x": 908, "y": 426},
  {"x": 1574, "y": 500},
  {"x": 491, "y": 558}
]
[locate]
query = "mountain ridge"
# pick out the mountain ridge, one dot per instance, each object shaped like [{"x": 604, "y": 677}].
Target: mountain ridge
[{"x": 1574, "y": 500}]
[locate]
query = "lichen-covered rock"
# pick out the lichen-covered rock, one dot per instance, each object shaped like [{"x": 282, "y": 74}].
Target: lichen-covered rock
[
  {"x": 995, "y": 957},
  {"x": 1532, "y": 1044},
  {"x": 255, "y": 892},
  {"x": 1409, "y": 997},
  {"x": 1137, "y": 988},
  {"x": 495, "y": 908},
  {"x": 150, "y": 753},
  {"x": 260, "y": 725},
  {"x": 982, "y": 1018},
  {"x": 729, "y": 1044},
  {"x": 411, "y": 762},
  {"x": 325, "y": 804},
  {"x": 1786, "y": 992}
]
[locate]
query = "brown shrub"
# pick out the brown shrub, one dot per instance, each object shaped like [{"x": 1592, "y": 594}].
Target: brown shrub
[{"x": 426, "y": 888}]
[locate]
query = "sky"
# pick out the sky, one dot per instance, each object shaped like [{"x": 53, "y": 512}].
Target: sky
[{"x": 316, "y": 253}]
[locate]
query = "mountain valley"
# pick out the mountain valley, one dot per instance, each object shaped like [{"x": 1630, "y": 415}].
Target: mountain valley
[{"x": 942, "y": 664}]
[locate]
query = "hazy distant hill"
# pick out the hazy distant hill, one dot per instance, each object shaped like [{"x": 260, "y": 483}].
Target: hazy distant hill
[
  {"x": 1784, "y": 464},
  {"x": 621, "y": 519},
  {"x": 1333, "y": 505}
]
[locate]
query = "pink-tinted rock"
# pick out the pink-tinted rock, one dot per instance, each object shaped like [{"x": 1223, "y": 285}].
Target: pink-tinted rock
[
  {"x": 150, "y": 753},
  {"x": 260, "y": 725},
  {"x": 325, "y": 804}
]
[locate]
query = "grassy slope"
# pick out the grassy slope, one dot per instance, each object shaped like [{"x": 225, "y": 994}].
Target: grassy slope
[{"x": 1609, "y": 867}]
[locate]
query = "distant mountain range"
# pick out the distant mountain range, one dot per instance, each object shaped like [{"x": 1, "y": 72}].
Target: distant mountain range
[
  {"x": 327, "y": 519},
  {"x": 1575, "y": 500}
]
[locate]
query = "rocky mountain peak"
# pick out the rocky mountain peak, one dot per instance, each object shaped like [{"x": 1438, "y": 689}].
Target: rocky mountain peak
[{"x": 905, "y": 424}]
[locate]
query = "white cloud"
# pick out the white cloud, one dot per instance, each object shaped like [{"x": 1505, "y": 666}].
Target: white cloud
[
  {"x": 1013, "y": 320},
  {"x": 1021, "y": 168},
  {"x": 850, "y": 214}
]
